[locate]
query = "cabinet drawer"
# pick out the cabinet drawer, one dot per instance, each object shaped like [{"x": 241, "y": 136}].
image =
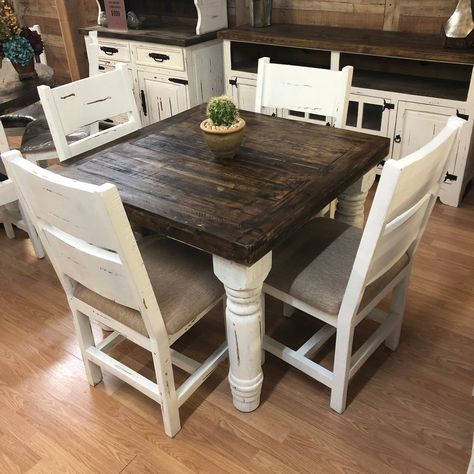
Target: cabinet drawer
[
  {"x": 114, "y": 50},
  {"x": 160, "y": 56}
]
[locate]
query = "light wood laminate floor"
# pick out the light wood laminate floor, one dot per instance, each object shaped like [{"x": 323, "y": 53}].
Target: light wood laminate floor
[{"x": 408, "y": 411}]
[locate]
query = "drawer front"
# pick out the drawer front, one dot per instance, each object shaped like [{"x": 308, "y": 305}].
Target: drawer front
[
  {"x": 116, "y": 51},
  {"x": 160, "y": 56}
]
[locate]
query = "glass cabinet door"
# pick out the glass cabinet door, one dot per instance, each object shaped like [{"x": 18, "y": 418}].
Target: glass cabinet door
[{"x": 368, "y": 114}]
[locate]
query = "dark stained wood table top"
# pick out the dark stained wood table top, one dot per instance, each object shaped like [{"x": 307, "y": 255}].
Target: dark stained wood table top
[
  {"x": 239, "y": 209},
  {"x": 17, "y": 94}
]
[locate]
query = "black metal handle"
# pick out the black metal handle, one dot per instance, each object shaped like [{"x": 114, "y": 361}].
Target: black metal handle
[
  {"x": 178, "y": 81},
  {"x": 158, "y": 57},
  {"x": 450, "y": 177},
  {"x": 142, "y": 96},
  {"x": 108, "y": 50},
  {"x": 101, "y": 68},
  {"x": 233, "y": 82},
  {"x": 397, "y": 139}
]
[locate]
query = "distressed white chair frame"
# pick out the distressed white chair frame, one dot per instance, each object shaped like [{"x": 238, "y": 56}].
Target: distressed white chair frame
[
  {"x": 89, "y": 241},
  {"x": 86, "y": 102},
  {"x": 305, "y": 89},
  {"x": 92, "y": 49},
  {"x": 8, "y": 216},
  {"x": 405, "y": 196}
]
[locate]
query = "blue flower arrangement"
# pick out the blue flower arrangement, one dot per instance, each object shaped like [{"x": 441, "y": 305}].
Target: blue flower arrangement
[{"x": 18, "y": 50}]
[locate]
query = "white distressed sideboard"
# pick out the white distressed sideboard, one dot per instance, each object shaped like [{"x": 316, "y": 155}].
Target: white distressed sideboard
[{"x": 405, "y": 86}]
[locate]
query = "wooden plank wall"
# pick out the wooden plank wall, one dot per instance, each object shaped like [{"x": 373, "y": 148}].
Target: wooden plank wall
[
  {"x": 424, "y": 16},
  {"x": 54, "y": 26}
]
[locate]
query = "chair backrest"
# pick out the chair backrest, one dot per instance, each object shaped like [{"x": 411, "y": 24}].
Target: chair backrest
[
  {"x": 304, "y": 89},
  {"x": 42, "y": 56},
  {"x": 92, "y": 49},
  {"x": 86, "y": 102},
  {"x": 403, "y": 202},
  {"x": 3, "y": 139},
  {"x": 87, "y": 236}
]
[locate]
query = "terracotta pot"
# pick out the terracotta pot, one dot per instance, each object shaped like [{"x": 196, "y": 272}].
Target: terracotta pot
[
  {"x": 26, "y": 72},
  {"x": 223, "y": 143}
]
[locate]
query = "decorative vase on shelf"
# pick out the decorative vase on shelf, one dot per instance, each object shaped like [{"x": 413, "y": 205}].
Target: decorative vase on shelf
[
  {"x": 261, "y": 13},
  {"x": 458, "y": 31},
  {"x": 26, "y": 72}
]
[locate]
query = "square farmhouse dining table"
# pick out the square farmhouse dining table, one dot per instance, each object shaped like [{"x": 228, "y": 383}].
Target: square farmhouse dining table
[{"x": 238, "y": 210}]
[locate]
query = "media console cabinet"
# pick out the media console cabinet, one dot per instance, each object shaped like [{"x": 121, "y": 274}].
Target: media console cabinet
[{"x": 405, "y": 86}]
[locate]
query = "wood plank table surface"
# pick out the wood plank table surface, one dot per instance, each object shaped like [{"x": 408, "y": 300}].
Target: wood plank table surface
[{"x": 237, "y": 210}]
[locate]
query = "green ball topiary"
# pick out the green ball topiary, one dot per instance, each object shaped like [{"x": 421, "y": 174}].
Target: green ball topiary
[{"x": 222, "y": 111}]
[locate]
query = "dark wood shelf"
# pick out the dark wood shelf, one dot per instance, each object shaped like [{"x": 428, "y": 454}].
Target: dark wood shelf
[
  {"x": 352, "y": 40},
  {"x": 414, "y": 85},
  {"x": 175, "y": 35}
]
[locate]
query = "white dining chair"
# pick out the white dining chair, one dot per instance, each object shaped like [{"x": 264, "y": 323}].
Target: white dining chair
[
  {"x": 10, "y": 210},
  {"x": 304, "y": 89},
  {"x": 338, "y": 274},
  {"x": 84, "y": 103},
  {"x": 309, "y": 90},
  {"x": 110, "y": 279},
  {"x": 92, "y": 50}
]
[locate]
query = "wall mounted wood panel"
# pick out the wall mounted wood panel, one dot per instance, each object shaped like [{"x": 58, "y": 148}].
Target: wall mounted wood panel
[{"x": 394, "y": 15}]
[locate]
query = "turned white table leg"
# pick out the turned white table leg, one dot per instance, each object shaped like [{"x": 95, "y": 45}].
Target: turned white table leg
[
  {"x": 350, "y": 205},
  {"x": 243, "y": 285}
]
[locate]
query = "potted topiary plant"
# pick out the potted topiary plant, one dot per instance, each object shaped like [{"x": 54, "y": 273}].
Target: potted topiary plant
[{"x": 223, "y": 128}]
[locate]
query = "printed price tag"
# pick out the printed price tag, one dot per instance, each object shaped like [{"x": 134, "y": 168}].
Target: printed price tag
[{"x": 116, "y": 14}]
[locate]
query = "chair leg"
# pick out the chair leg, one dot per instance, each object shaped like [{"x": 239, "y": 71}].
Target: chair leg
[
  {"x": 169, "y": 399},
  {"x": 397, "y": 306},
  {"x": 35, "y": 240},
  {"x": 342, "y": 365},
  {"x": 288, "y": 310},
  {"x": 85, "y": 336},
  {"x": 9, "y": 229}
]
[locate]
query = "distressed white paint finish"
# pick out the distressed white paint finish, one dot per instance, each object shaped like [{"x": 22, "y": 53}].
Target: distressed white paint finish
[
  {"x": 405, "y": 196},
  {"x": 304, "y": 89},
  {"x": 88, "y": 101},
  {"x": 350, "y": 203},
  {"x": 92, "y": 50},
  {"x": 89, "y": 240},
  {"x": 212, "y": 15},
  {"x": 244, "y": 326},
  {"x": 10, "y": 212}
]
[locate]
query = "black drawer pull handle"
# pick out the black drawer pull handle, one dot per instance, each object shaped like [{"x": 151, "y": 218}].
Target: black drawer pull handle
[
  {"x": 397, "y": 139},
  {"x": 101, "y": 68},
  {"x": 178, "y": 81},
  {"x": 158, "y": 57},
  {"x": 108, "y": 50},
  {"x": 142, "y": 96}
]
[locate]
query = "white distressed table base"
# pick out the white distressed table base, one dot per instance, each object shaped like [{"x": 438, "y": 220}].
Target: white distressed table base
[
  {"x": 350, "y": 204},
  {"x": 244, "y": 324}
]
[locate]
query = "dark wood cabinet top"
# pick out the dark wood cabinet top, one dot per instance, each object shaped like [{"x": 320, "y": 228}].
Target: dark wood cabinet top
[
  {"x": 178, "y": 35},
  {"x": 352, "y": 40},
  {"x": 239, "y": 209}
]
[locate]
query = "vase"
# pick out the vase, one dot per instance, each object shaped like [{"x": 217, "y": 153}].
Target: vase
[
  {"x": 261, "y": 13},
  {"x": 26, "y": 72},
  {"x": 458, "y": 31}
]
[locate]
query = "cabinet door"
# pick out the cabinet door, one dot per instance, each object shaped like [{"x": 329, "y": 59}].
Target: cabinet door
[
  {"x": 368, "y": 114},
  {"x": 243, "y": 92},
  {"x": 416, "y": 125},
  {"x": 161, "y": 96}
]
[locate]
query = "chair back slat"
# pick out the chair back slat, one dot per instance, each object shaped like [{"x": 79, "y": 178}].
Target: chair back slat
[
  {"x": 304, "y": 89},
  {"x": 86, "y": 234},
  {"x": 84, "y": 103},
  {"x": 96, "y": 268},
  {"x": 405, "y": 197}
]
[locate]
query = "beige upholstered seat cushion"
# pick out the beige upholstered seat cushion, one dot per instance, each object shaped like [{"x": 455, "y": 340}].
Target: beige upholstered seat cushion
[
  {"x": 314, "y": 266},
  {"x": 183, "y": 281}
]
